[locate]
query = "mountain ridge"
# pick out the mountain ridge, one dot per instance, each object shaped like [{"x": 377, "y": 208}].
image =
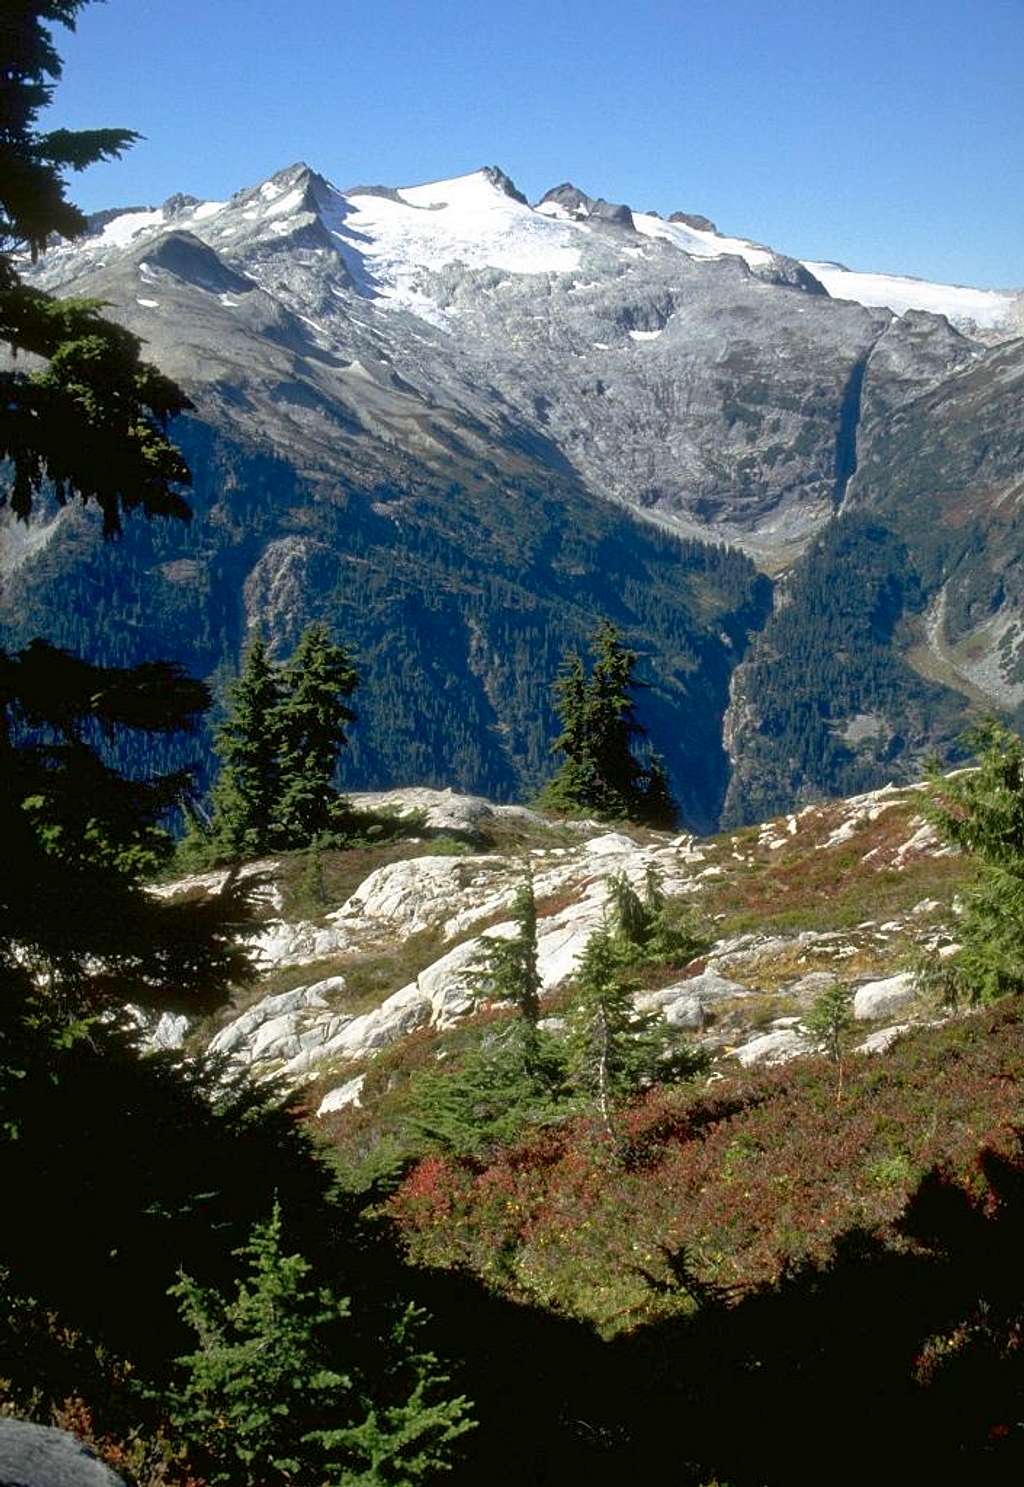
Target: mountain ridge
[{"x": 463, "y": 429}]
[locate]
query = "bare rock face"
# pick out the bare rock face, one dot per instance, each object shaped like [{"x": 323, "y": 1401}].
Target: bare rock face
[{"x": 776, "y": 1047}]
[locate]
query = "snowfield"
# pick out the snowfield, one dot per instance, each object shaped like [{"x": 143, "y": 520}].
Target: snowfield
[
  {"x": 394, "y": 240},
  {"x": 467, "y": 220},
  {"x": 988, "y": 308}
]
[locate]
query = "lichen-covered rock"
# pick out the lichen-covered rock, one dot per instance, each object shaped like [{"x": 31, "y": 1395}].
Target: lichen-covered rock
[
  {"x": 445, "y": 810},
  {"x": 282, "y": 944},
  {"x": 883, "y": 1039},
  {"x": 421, "y": 892},
  {"x": 679, "y": 1007},
  {"x": 272, "y": 1018}
]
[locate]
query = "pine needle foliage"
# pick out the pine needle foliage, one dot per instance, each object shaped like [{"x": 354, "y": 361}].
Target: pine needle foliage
[
  {"x": 600, "y": 774},
  {"x": 310, "y": 723},
  {"x": 279, "y": 749},
  {"x": 75, "y": 913},
  {"x": 515, "y": 1079},
  {"x": 981, "y": 812},
  {"x": 507, "y": 967},
  {"x": 247, "y": 790},
  {"x": 614, "y": 1050},
  {"x": 514, "y": 1082},
  {"x": 262, "y": 1401},
  {"x": 648, "y": 930},
  {"x": 91, "y": 421},
  {"x": 828, "y": 1024}
]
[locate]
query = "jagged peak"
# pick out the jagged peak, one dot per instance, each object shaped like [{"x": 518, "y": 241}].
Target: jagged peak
[
  {"x": 574, "y": 201},
  {"x": 504, "y": 183},
  {"x": 695, "y": 220},
  {"x": 568, "y": 200}
]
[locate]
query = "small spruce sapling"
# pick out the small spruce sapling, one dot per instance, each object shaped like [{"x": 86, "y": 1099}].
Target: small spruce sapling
[
  {"x": 647, "y": 930},
  {"x": 828, "y": 1023},
  {"x": 614, "y": 1049},
  {"x": 514, "y": 1080}
]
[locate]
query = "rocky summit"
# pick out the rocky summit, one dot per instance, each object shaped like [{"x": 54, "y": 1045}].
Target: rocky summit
[{"x": 464, "y": 428}]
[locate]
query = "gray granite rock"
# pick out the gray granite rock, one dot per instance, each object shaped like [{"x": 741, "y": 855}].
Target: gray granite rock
[
  {"x": 38, "y": 1456},
  {"x": 882, "y": 998}
]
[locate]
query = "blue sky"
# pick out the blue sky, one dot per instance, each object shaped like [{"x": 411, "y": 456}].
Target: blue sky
[{"x": 886, "y": 135}]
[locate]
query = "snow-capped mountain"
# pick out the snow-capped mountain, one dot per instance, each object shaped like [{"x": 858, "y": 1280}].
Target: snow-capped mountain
[
  {"x": 464, "y": 425},
  {"x": 481, "y": 221},
  {"x": 699, "y": 379}
]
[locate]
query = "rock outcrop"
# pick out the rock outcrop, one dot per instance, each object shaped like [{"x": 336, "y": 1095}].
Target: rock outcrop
[{"x": 744, "y": 999}]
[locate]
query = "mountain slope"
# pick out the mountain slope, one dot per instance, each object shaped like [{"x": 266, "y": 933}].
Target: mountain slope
[{"x": 462, "y": 429}]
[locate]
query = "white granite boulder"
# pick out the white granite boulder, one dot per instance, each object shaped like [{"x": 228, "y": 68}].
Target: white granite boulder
[
  {"x": 343, "y": 1097},
  {"x": 776, "y": 1047},
  {"x": 883, "y": 998}
]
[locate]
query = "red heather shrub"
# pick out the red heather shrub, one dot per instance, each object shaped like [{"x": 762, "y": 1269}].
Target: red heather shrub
[{"x": 746, "y": 1178}]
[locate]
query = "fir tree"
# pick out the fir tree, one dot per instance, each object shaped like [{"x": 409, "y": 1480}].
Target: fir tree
[
  {"x": 649, "y": 930},
  {"x": 248, "y": 790},
  {"x": 83, "y": 836},
  {"x": 981, "y": 812},
  {"x": 611, "y": 722},
  {"x": 600, "y": 774},
  {"x": 515, "y": 1079},
  {"x": 828, "y": 1023},
  {"x": 261, "y": 1401},
  {"x": 657, "y": 806},
  {"x": 90, "y": 421},
  {"x": 613, "y": 1049},
  {"x": 310, "y": 723},
  {"x": 508, "y": 967}
]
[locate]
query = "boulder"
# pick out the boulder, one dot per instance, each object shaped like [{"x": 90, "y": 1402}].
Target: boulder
[
  {"x": 882, "y": 1040},
  {"x": 342, "y": 1097},
  {"x": 238, "y": 1037},
  {"x": 811, "y": 985},
  {"x": 773, "y": 1048},
  {"x": 444, "y": 810},
  {"x": 402, "y": 1013},
  {"x": 710, "y": 986},
  {"x": 422, "y": 892},
  {"x": 38, "y": 1456},
  {"x": 882, "y": 998},
  {"x": 282, "y": 944}
]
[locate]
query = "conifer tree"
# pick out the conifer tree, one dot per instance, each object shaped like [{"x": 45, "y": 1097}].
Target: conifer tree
[
  {"x": 310, "y": 723},
  {"x": 600, "y": 773},
  {"x": 657, "y": 806},
  {"x": 981, "y": 812},
  {"x": 611, "y": 1046},
  {"x": 91, "y": 419},
  {"x": 612, "y": 723},
  {"x": 262, "y": 1403},
  {"x": 248, "y": 789},
  {"x": 508, "y": 967},
  {"x": 80, "y": 836},
  {"x": 614, "y": 1049}
]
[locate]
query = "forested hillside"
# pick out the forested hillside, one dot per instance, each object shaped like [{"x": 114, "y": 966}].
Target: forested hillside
[{"x": 458, "y": 604}]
